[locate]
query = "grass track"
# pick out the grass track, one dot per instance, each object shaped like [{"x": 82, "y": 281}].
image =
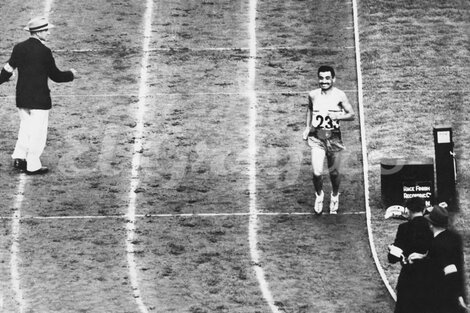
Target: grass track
[
  {"x": 196, "y": 146},
  {"x": 319, "y": 264},
  {"x": 192, "y": 264},
  {"x": 415, "y": 69},
  {"x": 74, "y": 266}
]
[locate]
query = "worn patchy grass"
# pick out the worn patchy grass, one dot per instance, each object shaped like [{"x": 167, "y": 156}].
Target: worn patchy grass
[
  {"x": 197, "y": 265},
  {"x": 416, "y": 72},
  {"x": 195, "y": 160}
]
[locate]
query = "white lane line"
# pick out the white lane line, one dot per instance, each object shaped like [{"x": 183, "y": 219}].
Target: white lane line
[
  {"x": 71, "y": 217},
  {"x": 15, "y": 246},
  {"x": 15, "y": 225},
  {"x": 203, "y": 49},
  {"x": 48, "y": 8},
  {"x": 265, "y": 92},
  {"x": 136, "y": 161},
  {"x": 364, "y": 154},
  {"x": 253, "y": 220}
]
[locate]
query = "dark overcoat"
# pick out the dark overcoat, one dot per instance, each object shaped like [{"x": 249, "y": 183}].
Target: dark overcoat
[
  {"x": 413, "y": 281},
  {"x": 447, "y": 252}
]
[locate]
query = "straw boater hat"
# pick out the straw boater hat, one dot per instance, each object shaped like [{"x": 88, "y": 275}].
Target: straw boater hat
[{"x": 38, "y": 24}]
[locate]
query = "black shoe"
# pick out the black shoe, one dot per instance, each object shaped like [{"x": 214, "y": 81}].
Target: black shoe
[
  {"x": 42, "y": 170},
  {"x": 19, "y": 164}
]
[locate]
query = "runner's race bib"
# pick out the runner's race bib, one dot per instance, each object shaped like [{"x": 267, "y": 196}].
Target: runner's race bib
[{"x": 324, "y": 124}]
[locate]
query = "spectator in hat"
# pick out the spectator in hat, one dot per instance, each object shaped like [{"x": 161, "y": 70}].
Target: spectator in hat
[
  {"x": 447, "y": 294},
  {"x": 413, "y": 239},
  {"x": 35, "y": 65}
]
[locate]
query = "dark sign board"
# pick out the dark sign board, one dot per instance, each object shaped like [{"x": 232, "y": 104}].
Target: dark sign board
[{"x": 402, "y": 179}]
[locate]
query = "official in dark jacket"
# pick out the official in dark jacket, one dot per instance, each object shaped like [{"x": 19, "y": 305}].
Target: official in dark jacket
[
  {"x": 448, "y": 293},
  {"x": 412, "y": 242},
  {"x": 35, "y": 65}
]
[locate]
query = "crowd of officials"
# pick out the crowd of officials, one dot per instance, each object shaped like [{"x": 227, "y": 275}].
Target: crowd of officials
[{"x": 432, "y": 276}]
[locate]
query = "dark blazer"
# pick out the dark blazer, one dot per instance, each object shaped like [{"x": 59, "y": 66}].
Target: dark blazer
[
  {"x": 35, "y": 65},
  {"x": 446, "y": 250},
  {"x": 413, "y": 285}
]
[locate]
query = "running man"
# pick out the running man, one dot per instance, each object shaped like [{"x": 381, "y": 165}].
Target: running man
[{"x": 327, "y": 106}]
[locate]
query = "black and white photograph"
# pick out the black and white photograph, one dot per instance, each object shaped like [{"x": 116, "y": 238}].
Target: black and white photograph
[{"x": 235, "y": 156}]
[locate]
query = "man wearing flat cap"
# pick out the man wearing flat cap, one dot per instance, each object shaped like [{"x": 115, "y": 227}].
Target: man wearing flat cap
[
  {"x": 448, "y": 294},
  {"x": 35, "y": 65}
]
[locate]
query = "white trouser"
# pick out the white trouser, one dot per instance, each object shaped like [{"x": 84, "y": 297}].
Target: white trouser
[{"x": 31, "y": 137}]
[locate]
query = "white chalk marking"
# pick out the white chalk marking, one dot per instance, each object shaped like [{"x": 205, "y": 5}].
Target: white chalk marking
[
  {"x": 136, "y": 160},
  {"x": 253, "y": 220},
  {"x": 203, "y": 49},
  {"x": 71, "y": 217},
  {"x": 15, "y": 246},
  {"x": 15, "y": 225},
  {"x": 48, "y": 8},
  {"x": 364, "y": 153},
  {"x": 259, "y": 92}
]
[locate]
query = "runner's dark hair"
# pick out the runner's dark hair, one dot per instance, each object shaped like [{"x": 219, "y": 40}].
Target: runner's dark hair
[{"x": 327, "y": 68}]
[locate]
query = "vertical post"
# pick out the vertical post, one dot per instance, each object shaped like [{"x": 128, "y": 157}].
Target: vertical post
[{"x": 446, "y": 174}]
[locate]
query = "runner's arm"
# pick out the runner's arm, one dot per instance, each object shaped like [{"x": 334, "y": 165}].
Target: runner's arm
[
  {"x": 348, "y": 112},
  {"x": 308, "y": 119}
]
